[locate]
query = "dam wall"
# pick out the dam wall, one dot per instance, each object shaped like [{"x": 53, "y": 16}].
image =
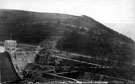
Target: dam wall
[
  {"x": 21, "y": 58},
  {"x": 12, "y": 66},
  {"x": 13, "y": 61}
]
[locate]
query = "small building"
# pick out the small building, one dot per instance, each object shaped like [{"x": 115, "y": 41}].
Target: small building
[{"x": 10, "y": 46}]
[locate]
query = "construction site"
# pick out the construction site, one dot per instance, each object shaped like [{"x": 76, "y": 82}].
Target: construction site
[{"x": 20, "y": 65}]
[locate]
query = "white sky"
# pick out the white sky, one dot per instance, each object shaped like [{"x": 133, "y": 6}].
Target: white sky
[{"x": 105, "y": 11}]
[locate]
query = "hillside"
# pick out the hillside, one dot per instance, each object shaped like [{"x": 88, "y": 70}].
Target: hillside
[
  {"x": 78, "y": 34},
  {"x": 33, "y": 27}
]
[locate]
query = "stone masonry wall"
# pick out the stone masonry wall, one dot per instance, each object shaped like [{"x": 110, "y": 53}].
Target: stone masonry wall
[{"x": 21, "y": 59}]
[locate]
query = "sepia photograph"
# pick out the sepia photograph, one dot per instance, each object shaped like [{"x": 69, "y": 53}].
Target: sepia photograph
[{"x": 67, "y": 41}]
